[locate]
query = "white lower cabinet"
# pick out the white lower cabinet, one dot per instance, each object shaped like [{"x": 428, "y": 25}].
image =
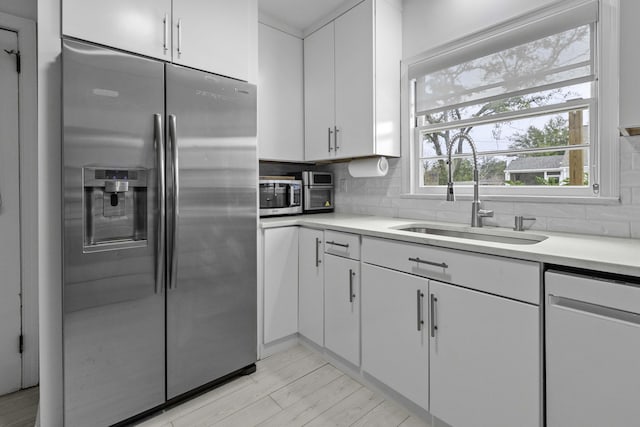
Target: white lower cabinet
[
  {"x": 342, "y": 307},
  {"x": 484, "y": 359},
  {"x": 395, "y": 336},
  {"x": 593, "y": 351},
  {"x": 467, "y": 351},
  {"x": 280, "y": 283},
  {"x": 311, "y": 285}
]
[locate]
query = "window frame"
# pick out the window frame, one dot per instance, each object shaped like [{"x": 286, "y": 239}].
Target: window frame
[{"x": 604, "y": 136}]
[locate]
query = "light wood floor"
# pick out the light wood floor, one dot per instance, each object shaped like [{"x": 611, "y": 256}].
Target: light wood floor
[
  {"x": 19, "y": 409},
  {"x": 296, "y": 387}
]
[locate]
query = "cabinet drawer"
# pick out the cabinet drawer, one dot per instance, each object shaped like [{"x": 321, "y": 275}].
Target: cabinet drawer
[
  {"x": 342, "y": 244},
  {"x": 507, "y": 277}
]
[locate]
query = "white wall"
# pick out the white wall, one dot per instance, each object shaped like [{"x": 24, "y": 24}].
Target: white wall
[
  {"x": 21, "y": 8},
  {"x": 50, "y": 213},
  {"x": 428, "y": 24}
]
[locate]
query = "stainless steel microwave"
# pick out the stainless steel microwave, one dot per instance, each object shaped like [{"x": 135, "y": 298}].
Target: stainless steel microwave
[
  {"x": 280, "y": 196},
  {"x": 318, "y": 191}
]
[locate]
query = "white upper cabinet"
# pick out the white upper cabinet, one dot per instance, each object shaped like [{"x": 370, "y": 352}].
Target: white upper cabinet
[
  {"x": 211, "y": 35},
  {"x": 141, "y": 26},
  {"x": 629, "y": 64},
  {"x": 352, "y": 84},
  {"x": 354, "y": 80},
  {"x": 280, "y": 100},
  {"x": 319, "y": 95}
]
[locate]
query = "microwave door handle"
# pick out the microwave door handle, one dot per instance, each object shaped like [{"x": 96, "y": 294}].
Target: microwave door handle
[{"x": 290, "y": 195}]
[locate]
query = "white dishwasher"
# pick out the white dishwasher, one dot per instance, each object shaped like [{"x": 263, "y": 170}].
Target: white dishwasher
[{"x": 592, "y": 351}]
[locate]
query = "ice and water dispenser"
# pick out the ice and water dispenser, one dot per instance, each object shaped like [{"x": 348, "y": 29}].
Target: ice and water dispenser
[{"x": 115, "y": 208}]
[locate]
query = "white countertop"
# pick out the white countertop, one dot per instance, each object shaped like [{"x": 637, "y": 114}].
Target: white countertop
[{"x": 606, "y": 254}]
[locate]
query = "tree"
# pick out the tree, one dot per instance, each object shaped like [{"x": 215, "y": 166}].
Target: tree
[
  {"x": 554, "y": 133},
  {"x": 492, "y": 171}
]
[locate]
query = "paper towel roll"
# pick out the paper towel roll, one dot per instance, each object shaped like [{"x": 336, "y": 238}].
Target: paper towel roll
[{"x": 376, "y": 166}]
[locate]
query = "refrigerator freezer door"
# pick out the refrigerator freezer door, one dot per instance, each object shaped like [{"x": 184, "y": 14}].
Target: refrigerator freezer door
[
  {"x": 113, "y": 314},
  {"x": 211, "y": 306}
]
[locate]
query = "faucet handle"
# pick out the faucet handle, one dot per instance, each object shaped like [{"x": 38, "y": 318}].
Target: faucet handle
[{"x": 519, "y": 222}]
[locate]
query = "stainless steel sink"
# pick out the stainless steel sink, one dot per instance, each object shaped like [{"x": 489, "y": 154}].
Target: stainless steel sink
[{"x": 512, "y": 238}]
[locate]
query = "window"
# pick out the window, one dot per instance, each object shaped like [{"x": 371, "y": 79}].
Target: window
[{"x": 527, "y": 94}]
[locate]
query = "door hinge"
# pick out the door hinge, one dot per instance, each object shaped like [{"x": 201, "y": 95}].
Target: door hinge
[
  {"x": 21, "y": 344},
  {"x": 17, "y": 54}
]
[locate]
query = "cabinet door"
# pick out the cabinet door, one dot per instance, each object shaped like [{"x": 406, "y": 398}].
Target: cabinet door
[
  {"x": 280, "y": 283},
  {"x": 395, "y": 336},
  {"x": 629, "y": 64},
  {"x": 135, "y": 26},
  {"x": 280, "y": 100},
  {"x": 593, "y": 349},
  {"x": 213, "y": 35},
  {"x": 311, "y": 286},
  {"x": 342, "y": 307},
  {"x": 319, "y": 96},
  {"x": 354, "y": 85},
  {"x": 484, "y": 359}
]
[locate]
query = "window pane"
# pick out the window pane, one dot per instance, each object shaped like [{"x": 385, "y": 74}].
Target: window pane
[
  {"x": 542, "y": 131},
  {"x": 514, "y": 103},
  {"x": 557, "y": 58},
  {"x": 560, "y": 168}
]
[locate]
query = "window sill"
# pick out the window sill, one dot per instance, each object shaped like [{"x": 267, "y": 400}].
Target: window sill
[{"x": 572, "y": 200}]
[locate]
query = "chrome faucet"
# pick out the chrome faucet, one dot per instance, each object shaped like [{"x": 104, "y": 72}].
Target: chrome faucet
[{"x": 476, "y": 212}]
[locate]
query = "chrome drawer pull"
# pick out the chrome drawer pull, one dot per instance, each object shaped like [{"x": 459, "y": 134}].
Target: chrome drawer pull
[
  {"x": 344, "y": 245},
  {"x": 435, "y": 264}
]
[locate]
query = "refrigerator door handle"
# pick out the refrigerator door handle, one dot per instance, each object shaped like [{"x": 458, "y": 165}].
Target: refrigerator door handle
[
  {"x": 160, "y": 165},
  {"x": 173, "y": 284}
]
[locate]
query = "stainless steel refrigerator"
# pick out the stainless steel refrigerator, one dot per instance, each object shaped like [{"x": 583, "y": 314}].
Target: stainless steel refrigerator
[{"x": 160, "y": 209}]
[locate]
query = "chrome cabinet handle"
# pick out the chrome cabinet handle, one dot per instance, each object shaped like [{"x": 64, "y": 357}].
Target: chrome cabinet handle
[
  {"x": 173, "y": 283},
  {"x": 351, "y": 294},
  {"x": 179, "y": 36},
  {"x": 161, "y": 218},
  {"x": 435, "y": 264},
  {"x": 165, "y": 38},
  {"x": 420, "y": 298},
  {"x": 318, "y": 261},
  {"x": 434, "y": 327},
  {"x": 329, "y": 138},
  {"x": 335, "y": 138},
  {"x": 344, "y": 245}
]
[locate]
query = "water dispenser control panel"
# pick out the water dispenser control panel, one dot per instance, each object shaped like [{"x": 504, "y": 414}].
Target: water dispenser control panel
[{"x": 115, "y": 208}]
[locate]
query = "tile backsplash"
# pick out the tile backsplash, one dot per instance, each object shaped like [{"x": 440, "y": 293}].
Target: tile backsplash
[{"x": 382, "y": 196}]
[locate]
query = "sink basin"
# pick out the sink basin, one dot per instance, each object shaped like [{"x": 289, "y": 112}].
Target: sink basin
[{"x": 512, "y": 238}]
